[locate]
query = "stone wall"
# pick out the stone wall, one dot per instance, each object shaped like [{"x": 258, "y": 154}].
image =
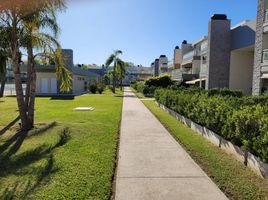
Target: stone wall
[
  {"x": 219, "y": 47},
  {"x": 256, "y": 83}
]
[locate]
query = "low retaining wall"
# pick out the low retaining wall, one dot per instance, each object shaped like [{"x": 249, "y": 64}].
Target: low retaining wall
[{"x": 247, "y": 158}]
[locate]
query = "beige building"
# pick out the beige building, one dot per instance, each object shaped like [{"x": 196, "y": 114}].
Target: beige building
[{"x": 47, "y": 83}]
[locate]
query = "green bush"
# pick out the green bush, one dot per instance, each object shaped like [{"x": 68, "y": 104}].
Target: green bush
[
  {"x": 145, "y": 89},
  {"x": 101, "y": 88},
  {"x": 242, "y": 120},
  {"x": 93, "y": 88},
  {"x": 225, "y": 92},
  {"x": 159, "y": 81}
]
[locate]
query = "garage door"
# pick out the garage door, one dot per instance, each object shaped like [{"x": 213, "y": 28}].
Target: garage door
[
  {"x": 44, "y": 85},
  {"x": 54, "y": 88}
]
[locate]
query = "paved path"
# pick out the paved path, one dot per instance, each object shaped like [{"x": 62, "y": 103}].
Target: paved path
[{"x": 152, "y": 165}]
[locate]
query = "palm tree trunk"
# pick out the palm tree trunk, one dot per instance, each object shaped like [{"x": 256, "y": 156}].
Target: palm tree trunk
[
  {"x": 3, "y": 83},
  {"x": 121, "y": 79},
  {"x": 114, "y": 77},
  {"x": 3, "y": 76},
  {"x": 28, "y": 82},
  {"x": 32, "y": 86},
  {"x": 17, "y": 76}
]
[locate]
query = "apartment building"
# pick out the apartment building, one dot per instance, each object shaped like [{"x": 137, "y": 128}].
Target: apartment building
[
  {"x": 260, "y": 72},
  {"x": 160, "y": 66},
  {"x": 222, "y": 59},
  {"x": 137, "y": 73}
]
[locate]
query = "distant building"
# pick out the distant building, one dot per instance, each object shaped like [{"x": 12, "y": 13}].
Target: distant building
[
  {"x": 160, "y": 66},
  {"x": 137, "y": 73},
  {"x": 177, "y": 60},
  {"x": 47, "y": 83}
]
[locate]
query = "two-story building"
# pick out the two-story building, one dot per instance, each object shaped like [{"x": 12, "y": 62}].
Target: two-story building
[{"x": 220, "y": 58}]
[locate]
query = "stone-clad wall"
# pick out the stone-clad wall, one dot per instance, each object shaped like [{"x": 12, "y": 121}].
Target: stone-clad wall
[
  {"x": 219, "y": 46},
  {"x": 256, "y": 85}
]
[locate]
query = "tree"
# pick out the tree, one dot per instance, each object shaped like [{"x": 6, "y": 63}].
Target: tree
[
  {"x": 121, "y": 71},
  {"x": 113, "y": 58},
  {"x": 4, "y": 55},
  {"x": 28, "y": 27}
]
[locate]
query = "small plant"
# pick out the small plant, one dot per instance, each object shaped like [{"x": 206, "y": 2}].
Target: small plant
[
  {"x": 101, "y": 88},
  {"x": 93, "y": 88}
]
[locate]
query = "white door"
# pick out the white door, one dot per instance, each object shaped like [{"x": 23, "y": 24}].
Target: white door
[
  {"x": 54, "y": 88},
  {"x": 44, "y": 85}
]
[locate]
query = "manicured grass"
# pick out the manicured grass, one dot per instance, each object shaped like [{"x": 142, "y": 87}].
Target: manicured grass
[
  {"x": 232, "y": 177},
  {"x": 47, "y": 167}
]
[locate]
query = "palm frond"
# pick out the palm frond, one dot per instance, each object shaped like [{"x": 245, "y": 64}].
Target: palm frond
[{"x": 110, "y": 60}]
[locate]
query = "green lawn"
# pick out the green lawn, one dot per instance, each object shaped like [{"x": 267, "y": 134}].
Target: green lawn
[
  {"x": 47, "y": 166},
  {"x": 232, "y": 177}
]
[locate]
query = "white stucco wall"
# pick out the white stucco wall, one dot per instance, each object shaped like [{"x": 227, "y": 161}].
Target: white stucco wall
[
  {"x": 241, "y": 71},
  {"x": 79, "y": 84},
  {"x": 45, "y": 75}
]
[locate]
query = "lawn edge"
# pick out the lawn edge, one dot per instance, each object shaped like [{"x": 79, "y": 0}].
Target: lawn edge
[{"x": 114, "y": 176}]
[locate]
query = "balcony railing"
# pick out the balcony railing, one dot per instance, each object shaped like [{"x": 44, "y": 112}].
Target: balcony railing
[
  {"x": 188, "y": 56},
  {"x": 265, "y": 56},
  {"x": 266, "y": 16}
]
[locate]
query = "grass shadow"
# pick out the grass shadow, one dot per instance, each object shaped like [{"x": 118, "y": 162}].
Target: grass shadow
[
  {"x": 20, "y": 165},
  {"x": 2, "y": 132},
  {"x": 42, "y": 129},
  {"x": 25, "y": 189},
  {"x": 15, "y": 141}
]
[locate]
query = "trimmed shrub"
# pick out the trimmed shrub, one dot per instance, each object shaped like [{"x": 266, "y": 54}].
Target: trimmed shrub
[
  {"x": 225, "y": 92},
  {"x": 159, "y": 81},
  {"x": 242, "y": 120},
  {"x": 145, "y": 89}
]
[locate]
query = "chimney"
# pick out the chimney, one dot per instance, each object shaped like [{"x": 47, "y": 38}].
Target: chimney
[{"x": 219, "y": 52}]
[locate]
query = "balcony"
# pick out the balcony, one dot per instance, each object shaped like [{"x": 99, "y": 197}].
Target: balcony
[
  {"x": 264, "y": 61},
  {"x": 265, "y": 23},
  {"x": 204, "y": 46},
  {"x": 188, "y": 56}
]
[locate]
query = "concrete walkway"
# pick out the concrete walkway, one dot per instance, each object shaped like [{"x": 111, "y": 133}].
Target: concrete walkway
[{"x": 152, "y": 165}]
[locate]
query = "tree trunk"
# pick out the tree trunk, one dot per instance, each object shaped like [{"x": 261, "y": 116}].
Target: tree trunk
[
  {"x": 114, "y": 77},
  {"x": 17, "y": 76},
  {"x": 28, "y": 82},
  {"x": 3, "y": 76},
  {"x": 32, "y": 86},
  {"x": 121, "y": 80},
  {"x": 3, "y": 83}
]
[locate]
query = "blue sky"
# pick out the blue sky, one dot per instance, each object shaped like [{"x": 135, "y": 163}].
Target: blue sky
[{"x": 142, "y": 29}]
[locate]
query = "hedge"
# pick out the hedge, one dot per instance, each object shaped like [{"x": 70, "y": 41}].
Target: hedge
[
  {"x": 242, "y": 120},
  {"x": 159, "y": 81}
]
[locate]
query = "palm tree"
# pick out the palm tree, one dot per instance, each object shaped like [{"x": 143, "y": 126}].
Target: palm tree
[
  {"x": 33, "y": 25},
  {"x": 121, "y": 71},
  {"x": 27, "y": 31},
  {"x": 4, "y": 55},
  {"x": 3, "y": 61},
  {"x": 113, "y": 58}
]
